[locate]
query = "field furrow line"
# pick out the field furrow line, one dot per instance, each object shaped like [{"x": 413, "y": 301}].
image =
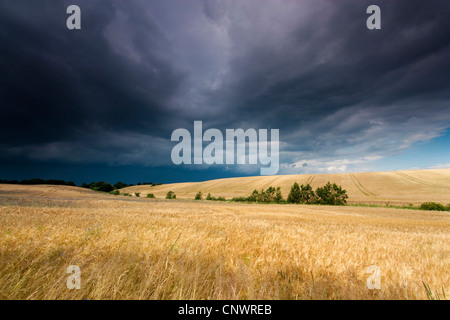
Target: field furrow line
[
  {"x": 360, "y": 187},
  {"x": 270, "y": 183},
  {"x": 310, "y": 180},
  {"x": 420, "y": 181}
]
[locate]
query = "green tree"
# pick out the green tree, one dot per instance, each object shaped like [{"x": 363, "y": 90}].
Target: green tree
[
  {"x": 120, "y": 185},
  {"x": 278, "y": 196},
  {"x": 294, "y": 195},
  {"x": 331, "y": 194},
  {"x": 102, "y": 186},
  {"x": 271, "y": 195},
  {"x": 307, "y": 194},
  {"x": 198, "y": 196},
  {"x": 268, "y": 195},
  {"x": 254, "y": 197},
  {"x": 151, "y": 196}
]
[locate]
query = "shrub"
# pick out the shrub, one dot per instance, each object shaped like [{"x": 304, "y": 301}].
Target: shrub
[
  {"x": 331, "y": 194},
  {"x": 151, "y": 196},
  {"x": 137, "y": 194},
  {"x": 115, "y": 192},
  {"x": 240, "y": 199},
  {"x": 126, "y": 194},
  {"x": 433, "y": 206},
  {"x": 199, "y": 196},
  {"x": 171, "y": 195},
  {"x": 209, "y": 197}
]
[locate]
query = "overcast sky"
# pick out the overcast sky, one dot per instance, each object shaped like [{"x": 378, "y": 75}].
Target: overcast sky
[{"x": 101, "y": 103}]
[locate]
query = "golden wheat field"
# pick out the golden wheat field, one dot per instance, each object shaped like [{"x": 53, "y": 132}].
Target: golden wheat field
[
  {"x": 134, "y": 248},
  {"x": 393, "y": 187}
]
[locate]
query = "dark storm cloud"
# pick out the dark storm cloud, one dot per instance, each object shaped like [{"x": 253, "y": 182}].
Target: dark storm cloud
[
  {"x": 335, "y": 62},
  {"x": 112, "y": 93},
  {"x": 61, "y": 87},
  {"x": 336, "y": 89}
]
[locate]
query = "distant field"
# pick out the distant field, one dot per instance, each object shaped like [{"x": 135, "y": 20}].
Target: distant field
[
  {"x": 394, "y": 187},
  {"x": 134, "y": 248}
]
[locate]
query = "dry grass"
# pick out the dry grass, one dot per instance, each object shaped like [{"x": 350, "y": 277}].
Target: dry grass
[
  {"x": 177, "y": 249},
  {"x": 395, "y": 187}
]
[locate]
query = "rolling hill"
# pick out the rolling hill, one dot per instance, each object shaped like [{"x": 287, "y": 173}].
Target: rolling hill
[
  {"x": 393, "y": 187},
  {"x": 46, "y": 191}
]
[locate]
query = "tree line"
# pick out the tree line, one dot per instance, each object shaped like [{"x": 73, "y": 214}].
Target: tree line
[
  {"x": 108, "y": 187},
  {"x": 97, "y": 186},
  {"x": 329, "y": 194},
  {"x": 39, "y": 181}
]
